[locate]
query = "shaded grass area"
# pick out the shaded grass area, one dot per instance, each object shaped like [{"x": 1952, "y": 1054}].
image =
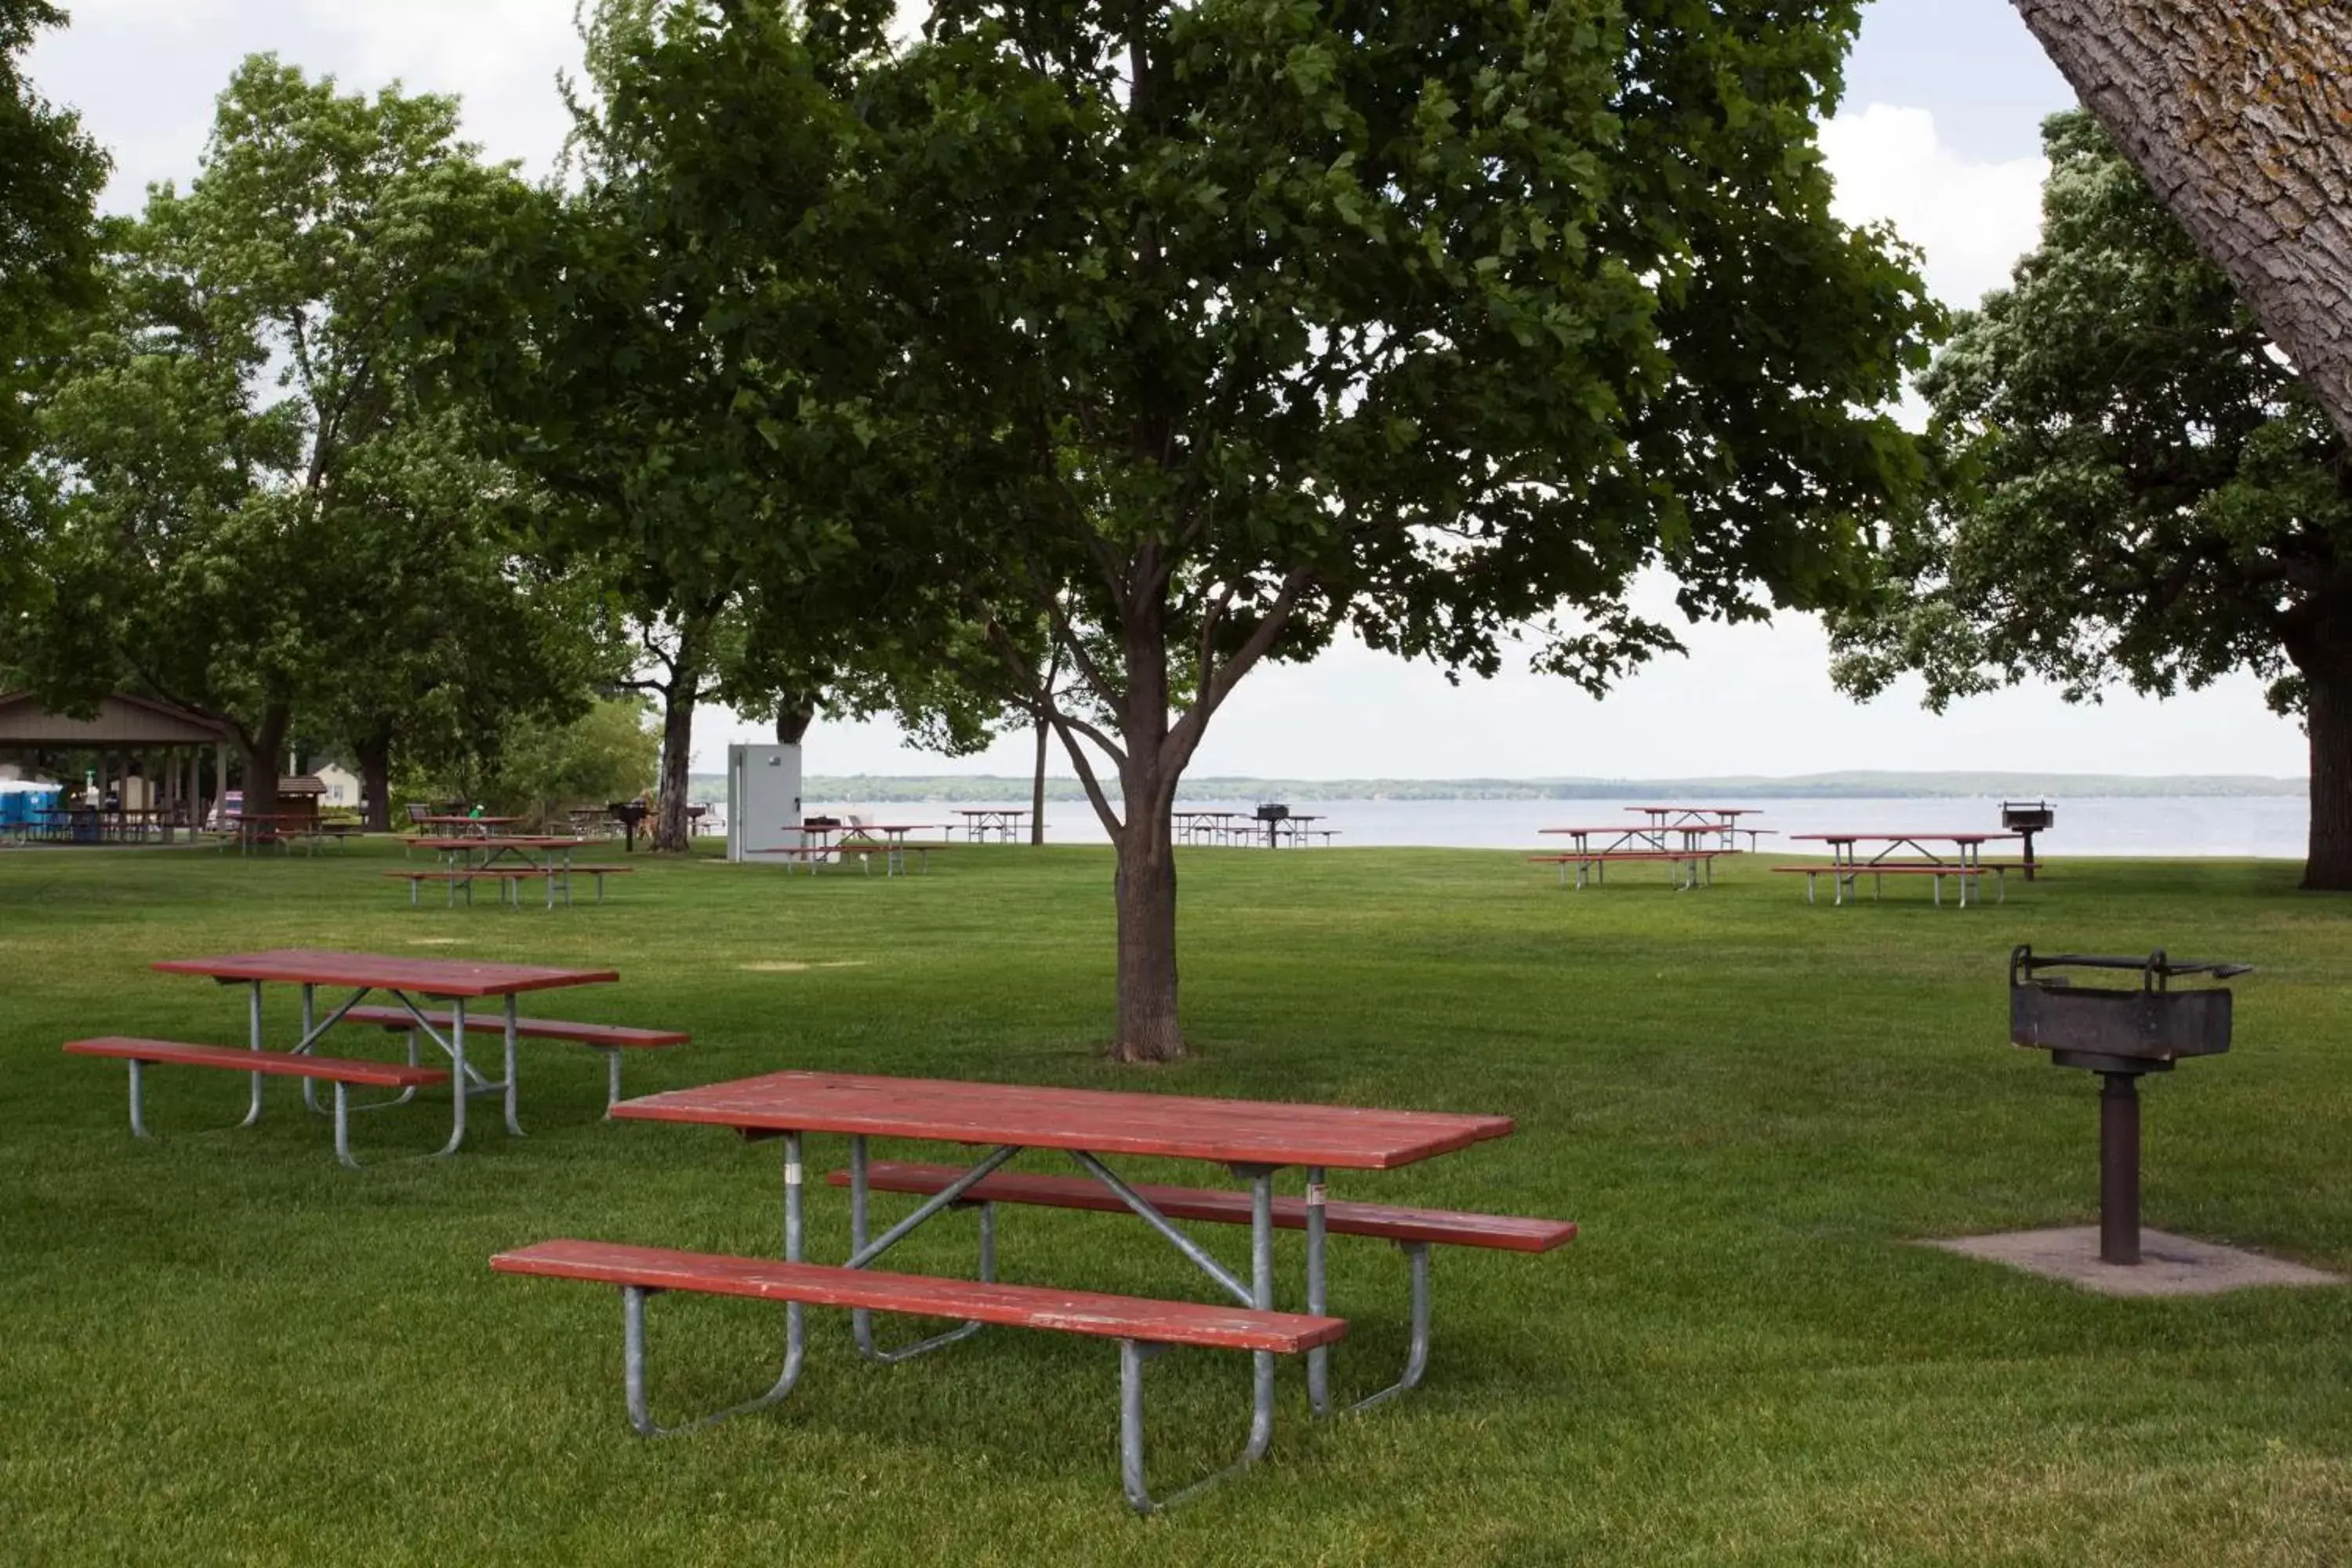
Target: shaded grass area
[{"x": 222, "y": 1347}]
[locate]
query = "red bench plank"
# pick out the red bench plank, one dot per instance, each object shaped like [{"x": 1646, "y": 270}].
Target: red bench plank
[
  {"x": 1630, "y": 855},
  {"x": 1443, "y": 1226},
  {"x": 1243, "y": 1131},
  {"x": 1897, "y": 869},
  {"x": 921, "y": 1295},
  {"x": 532, "y": 1028},
  {"x": 281, "y": 1064}
]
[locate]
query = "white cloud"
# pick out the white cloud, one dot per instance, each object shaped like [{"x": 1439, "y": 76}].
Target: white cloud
[{"x": 1973, "y": 220}]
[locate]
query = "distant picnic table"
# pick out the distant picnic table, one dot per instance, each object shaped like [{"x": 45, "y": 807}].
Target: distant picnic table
[
  {"x": 1936, "y": 856},
  {"x": 1252, "y": 1139},
  {"x": 822, "y": 842},
  {"x": 410, "y": 982},
  {"x": 980, "y": 820}
]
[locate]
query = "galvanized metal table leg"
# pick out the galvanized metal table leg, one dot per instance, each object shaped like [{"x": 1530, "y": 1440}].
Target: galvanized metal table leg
[
  {"x": 1133, "y": 1353},
  {"x": 460, "y": 1089},
  {"x": 513, "y": 1125},
  {"x": 309, "y": 1028},
  {"x": 342, "y": 1124},
  {"x": 1318, "y": 1360},
  {"x": 612, "y": 1080},
  {"x": 1416, "y": 1360},
  {"x": 253, "y": 1021},
  {"x": 137, "y": 1083}
]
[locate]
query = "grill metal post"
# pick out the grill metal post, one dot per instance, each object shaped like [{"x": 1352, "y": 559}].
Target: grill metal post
[{"x": 2119, "y": 1168}]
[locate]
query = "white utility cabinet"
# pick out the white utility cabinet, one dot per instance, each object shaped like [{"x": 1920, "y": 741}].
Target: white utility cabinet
[{"x": 764, "y": 802}]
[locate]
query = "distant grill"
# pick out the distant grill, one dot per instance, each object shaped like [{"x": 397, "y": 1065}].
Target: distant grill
[
  {"x": 2026, "y": 818},
  {"x": 629, "y": 814},
  {"x": 1273, "y": 814}
]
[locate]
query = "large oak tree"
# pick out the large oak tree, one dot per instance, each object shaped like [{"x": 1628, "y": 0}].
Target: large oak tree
[
  {"x": 1200, "y": 335},
  {"x": 2141, "y": 489}
]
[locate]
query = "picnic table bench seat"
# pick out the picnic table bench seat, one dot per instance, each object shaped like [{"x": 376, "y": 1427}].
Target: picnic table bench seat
[
  {"x": 1444, "y": 1228},
  {"x": 610, "y": 1038},
  {"x": 341, "y": 1072},
  {"x": 1142, "y": 1327},
  {"x": 1844, "y": 875},
  {"x": 1591, "y": 865},
  {"x": 510, "y": 880}
]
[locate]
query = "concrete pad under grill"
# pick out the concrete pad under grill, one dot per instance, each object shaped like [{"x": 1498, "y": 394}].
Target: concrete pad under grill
[{"x": 2169, "y": 1264}]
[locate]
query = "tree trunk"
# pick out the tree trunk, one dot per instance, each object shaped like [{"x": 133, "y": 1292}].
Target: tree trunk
[
  {"x": 2327, "y": 719},
  {"x": 677, "y": 751},
  {"x": 1148, "y": 1029},
  {"x": 680, "y": 694},
  {"x": 2240, "y": 116},
  {"x": 1037, "y": 791},
  {"x": 374, "y": 753},
  {"x": 262, "y": 748},
  {"x": 793, "y": 717}
]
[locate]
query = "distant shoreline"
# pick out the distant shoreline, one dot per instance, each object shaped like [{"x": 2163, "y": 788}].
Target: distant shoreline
[{"x": 1852, "y": 785}]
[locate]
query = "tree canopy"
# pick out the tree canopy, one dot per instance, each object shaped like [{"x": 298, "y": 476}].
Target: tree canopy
[
  {"x": 2141, "y": 489},
  {"x": 1193, "y": 336},
  {"x": 271, "y": 506},
  {"x": 50, "y": 173}
]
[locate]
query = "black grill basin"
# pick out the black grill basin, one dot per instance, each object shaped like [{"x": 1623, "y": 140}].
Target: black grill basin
[
  {"x": 2142, "y": 1028},
  {"x": 2028, "y": 815}
]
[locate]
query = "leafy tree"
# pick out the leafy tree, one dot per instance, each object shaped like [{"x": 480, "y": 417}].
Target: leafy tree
[
  {"x": 272, "y": 509},
  {"x": 1201, "y": 333},
  {"x": 2237, "y": 115},
  {"x": 2142, "y": 491},
  {"x": 50, "y": 173},
  {"x": 542, "y": 766},
  {"x": 626, "y": 349}
]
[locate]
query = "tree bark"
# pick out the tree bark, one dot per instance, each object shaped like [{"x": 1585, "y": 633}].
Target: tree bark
[
  {"x": 793, "y": 717},
  {"x": 2326, "y": 671},
  {"x": 2240, "y": 117},
  {"x": 374, "y": 754}
]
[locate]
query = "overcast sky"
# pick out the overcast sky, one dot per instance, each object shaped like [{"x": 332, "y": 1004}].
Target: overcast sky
[{"x": 1939, "y": 132}]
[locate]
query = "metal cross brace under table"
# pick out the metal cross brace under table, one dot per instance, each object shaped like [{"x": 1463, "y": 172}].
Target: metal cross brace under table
[{"x": 710, "y": 1104}]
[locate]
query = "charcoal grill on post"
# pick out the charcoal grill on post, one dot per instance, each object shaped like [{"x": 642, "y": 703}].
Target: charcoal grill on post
[
  {"x": 628, "y": 814},
  {"x": 2025, "y": 818},
  {"x": 2121, "y": 1035}
]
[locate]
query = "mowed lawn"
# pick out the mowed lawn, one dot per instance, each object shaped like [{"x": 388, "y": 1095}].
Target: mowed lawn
[{"x": 222, "y": 1347}]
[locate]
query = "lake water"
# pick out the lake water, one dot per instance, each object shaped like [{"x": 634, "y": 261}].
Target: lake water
[{"x": 2265, "y": 825}]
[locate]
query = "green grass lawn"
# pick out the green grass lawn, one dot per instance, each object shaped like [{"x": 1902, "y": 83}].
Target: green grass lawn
[{"x": 224, "y": 1347}]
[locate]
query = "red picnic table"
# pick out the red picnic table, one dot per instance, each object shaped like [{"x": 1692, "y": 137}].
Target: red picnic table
[
  {"x": 818, "y": 844},
  {"x": 404, "y": 980},
  {"x": 1252, "y": 1139},
  {"x": 1697, "y": 822},
  {"x": 1846, "y": 867}
]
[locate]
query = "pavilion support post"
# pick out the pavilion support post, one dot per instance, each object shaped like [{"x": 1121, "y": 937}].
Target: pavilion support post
[{"x": 220, "y": 772}]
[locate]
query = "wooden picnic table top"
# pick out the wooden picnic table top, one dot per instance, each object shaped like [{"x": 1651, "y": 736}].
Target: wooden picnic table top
[
  {"x": 524, "y": 841},
  {"x": 424, "y": 976},
  {"x": 1720, "y": 811},
  {"x": 442, "y": 820},
  {"x": 1242, "y": 1132},
  {"x": 1903, "y": 837}
]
